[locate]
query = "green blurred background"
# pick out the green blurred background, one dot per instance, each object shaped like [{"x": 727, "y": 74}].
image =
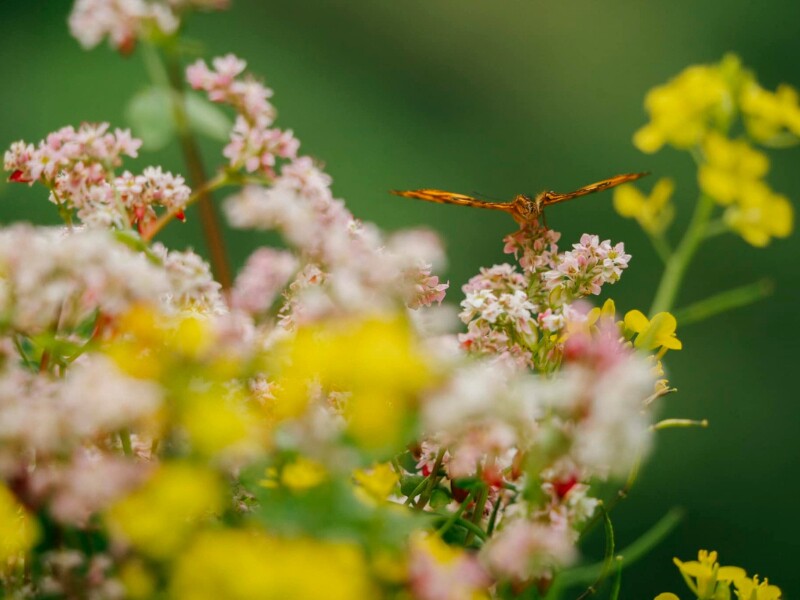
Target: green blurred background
[{"x": 501, "y": 98}]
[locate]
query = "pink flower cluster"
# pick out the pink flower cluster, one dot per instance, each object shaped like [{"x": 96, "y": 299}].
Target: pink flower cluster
[
  {"x": 255, "y": 145},
  {"x": 53, "y": 277},
  {"x": 346, "y": 266},
  {"x": 519, "y": 314},
  {"x": 124, "y": 21},
  {"x": 586, "y": 268},
  {"x": 77, "y": 167}
]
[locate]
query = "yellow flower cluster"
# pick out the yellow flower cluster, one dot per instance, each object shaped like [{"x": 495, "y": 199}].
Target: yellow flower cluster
[
  {"x": 733, "y": 174},
  {"x": 159, "y": 518},
  {"x": 242, "y": 564},
  {"x": 770, "y": 115},
  {"x": 175, "y": 351},
  {"x": 710, "y": 581},
  {"x": 18, "y": 531},
  {"x": 682, "y": 110},
  {"x": 696, "y": 111},
  {"x": 379, "y": 376},
  {"x": 653, "y": 212}
]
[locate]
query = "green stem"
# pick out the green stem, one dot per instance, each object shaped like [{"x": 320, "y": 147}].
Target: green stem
[
  {"x": 630, "y": 554},
  {"x": 725, "y": 301},
  {"x": 661, "y": 246},
  {"x": 433, "y": 479},
  {"x": 455, "y": 516},
  {"x": 416, "y": 491},
  {"x": 678, "y": 424},
  {"x": 477, "y": 514},
  {"x": 125, "y": 439},
  {"x": 468, "y": 525},
  {"x": 197, "y": 176},
  {"x": 716, "y": 227},
  {"x": 171, "y": 77},
  {"x": 676, "y": 267}
]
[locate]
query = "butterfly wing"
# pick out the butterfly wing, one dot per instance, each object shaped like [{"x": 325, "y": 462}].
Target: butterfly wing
[
  {"x": 553, "y": 197},
  {"x": 442, "y": 197}
]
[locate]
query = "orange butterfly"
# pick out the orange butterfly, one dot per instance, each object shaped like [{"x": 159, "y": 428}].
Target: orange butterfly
[{"x": 523, "y": 208}]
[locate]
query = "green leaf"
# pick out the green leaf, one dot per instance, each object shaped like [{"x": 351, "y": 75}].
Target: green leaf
[
  {"x": 207, "y": 119},
  {"x": 410, "y": 483},
  {"x": 149, "y": 113},
  {"x": 440, "y": 498}
]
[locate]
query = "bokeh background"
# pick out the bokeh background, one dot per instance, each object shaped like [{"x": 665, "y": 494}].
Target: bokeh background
[{"x": 501, "y": 98}]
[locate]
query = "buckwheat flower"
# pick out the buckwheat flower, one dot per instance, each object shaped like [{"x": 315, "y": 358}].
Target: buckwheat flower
[
  {"x": 54, "y": 276},
  {"x": 534, "y": 246},
  {"x": 476, "y": 392},
  {"x": 192, "y": 285},
  {"x": 65, "y": 148},
  {"x": 265, "y": 274},
  {"x": 96, "y": 398},
  {"x": 123, "y": 21},
  {"x": 441, "y": 572},
  {"x": 602, "y": 390},
  {"x": 586, "y": 268},
  {"x": 89, "y": 483},
  {"x": 427, "y": 288},
  {"x": 254, "y": 145},
  {"x": 523, "y": 550}
]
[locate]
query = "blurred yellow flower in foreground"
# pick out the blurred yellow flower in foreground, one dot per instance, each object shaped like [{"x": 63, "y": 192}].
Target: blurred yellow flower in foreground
[
  {"x": 303, "y": 474},
  {"x": 374, "y": 363},
  {"x": 18, "y": 532},
  {"x": 158, "y": 518},
  {"x": 376, "y": 484},
  {"x": 242, "y": 565}
]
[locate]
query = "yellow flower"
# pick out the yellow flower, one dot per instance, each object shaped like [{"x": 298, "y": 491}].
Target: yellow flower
[
  {"x": 730, "y": 167},
  {"x": 242, "y": 565},
  {"x": 654, "y": 213},
  {"x": 18, "y": 530},
  {"x": 374, "y": 362},
  {"x": 761, "y": 215},
  {"x": 608, "y": 311},
  {"x": 376, "y": 484},
  {"x": 139, "y": 582},
  {"x": 217, "y": 421},
  {"x": 767, "y": 114},
  {"x": 706, "y": 578},
  {"x": 751, "y": 589},
  {"x": 658, "y": 332},
  {"x": 158, "y": 518},
  {"x": 303, "y": 474},
  {"x": 684, "y": 109}
]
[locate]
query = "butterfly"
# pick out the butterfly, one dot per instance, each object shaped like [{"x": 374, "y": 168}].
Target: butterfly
[{"x": 524, "y": 209}]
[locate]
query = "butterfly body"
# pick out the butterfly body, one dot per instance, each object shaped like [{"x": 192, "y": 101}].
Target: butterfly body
[{"x": 524, "y": 208}]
